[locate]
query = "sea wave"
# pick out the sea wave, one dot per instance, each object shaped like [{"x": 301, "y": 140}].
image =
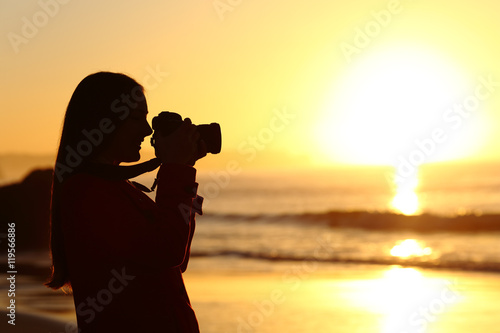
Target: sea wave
[
  {"x": 409, "y": 262},
  {"x": 379, "y": 220}
]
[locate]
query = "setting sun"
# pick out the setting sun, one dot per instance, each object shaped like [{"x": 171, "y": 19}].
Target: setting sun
[{"x": 387, "y": 106}]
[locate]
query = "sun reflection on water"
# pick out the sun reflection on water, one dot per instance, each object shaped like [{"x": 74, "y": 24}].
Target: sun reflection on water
[
  {"x": 410, "y": 248},
  {"x": 405, "y": 199},
  {"x": 405, "y": 300}
]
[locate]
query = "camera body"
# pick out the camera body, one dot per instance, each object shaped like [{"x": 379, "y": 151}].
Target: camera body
[{"x": 167, "y": 122}]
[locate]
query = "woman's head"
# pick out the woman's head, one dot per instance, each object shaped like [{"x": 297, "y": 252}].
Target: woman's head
[{"x": 105, "y": 121}]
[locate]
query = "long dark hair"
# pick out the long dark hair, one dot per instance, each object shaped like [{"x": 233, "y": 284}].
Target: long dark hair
[{"x": 96, "y": 107}]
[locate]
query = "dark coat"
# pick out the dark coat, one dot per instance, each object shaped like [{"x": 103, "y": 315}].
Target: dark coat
[{"x": 126, "y": 253}]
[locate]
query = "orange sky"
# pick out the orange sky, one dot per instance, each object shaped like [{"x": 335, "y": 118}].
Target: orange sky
[{"x": 323, "y": 81}]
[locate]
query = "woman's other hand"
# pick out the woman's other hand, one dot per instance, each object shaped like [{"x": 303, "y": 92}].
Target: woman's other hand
[{"x": 181, "y": 146}]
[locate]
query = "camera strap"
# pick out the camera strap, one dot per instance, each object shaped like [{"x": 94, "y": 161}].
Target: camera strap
[{"x": 120, "y": 172}]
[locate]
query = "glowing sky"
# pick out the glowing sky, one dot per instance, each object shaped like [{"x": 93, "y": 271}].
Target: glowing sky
[{"x": 326, "y": 81}]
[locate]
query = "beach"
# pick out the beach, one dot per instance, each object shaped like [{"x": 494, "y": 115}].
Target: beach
[
  {"x": 303, "y": 297},
  {"x": 273, "y": 255},
  {"x": 245, "y": 295}
]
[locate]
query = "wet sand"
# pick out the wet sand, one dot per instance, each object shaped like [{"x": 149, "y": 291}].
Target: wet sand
[
  {"x": 235, "y": 295},
  {"x": 304, "y": 297}
]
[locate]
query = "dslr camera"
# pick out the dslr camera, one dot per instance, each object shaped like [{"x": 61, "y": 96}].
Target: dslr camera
[{"x": 167, "y": 122}]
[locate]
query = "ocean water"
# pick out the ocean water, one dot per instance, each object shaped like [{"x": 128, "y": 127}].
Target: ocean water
[
  {"x": 323, "y": 236},
  {"x": 346, "y": 216}
]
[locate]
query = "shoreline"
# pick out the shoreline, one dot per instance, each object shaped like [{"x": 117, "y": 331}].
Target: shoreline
[{"x": 246, "y": 295}]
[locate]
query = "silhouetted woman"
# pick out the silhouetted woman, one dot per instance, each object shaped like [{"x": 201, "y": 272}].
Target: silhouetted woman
[{"x": 120, "y": 252}]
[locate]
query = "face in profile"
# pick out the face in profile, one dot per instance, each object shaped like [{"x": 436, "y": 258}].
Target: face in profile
[{"x": 126, "y": 142}]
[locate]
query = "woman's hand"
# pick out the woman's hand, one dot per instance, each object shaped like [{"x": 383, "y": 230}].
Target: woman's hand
[{"x": 181, "y": 146}]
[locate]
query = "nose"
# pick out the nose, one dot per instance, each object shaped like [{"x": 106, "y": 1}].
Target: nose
[{"x": 147, "y": 129}]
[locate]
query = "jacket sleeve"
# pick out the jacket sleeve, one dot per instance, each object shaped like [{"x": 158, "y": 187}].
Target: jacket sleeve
[
  {"x": 181, "y": 192},
  {"x": 103, "y": 222},
  {"x": 188, "y": 252}
]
